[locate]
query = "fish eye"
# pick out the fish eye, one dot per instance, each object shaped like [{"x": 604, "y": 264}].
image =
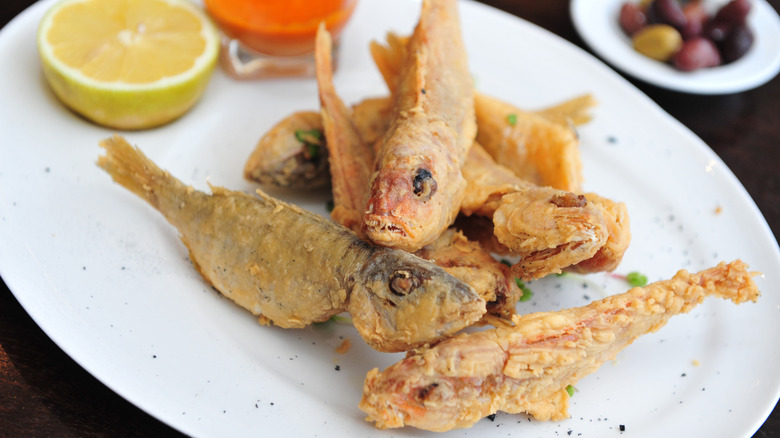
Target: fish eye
[
  {"x": 403, "y": 282},
  {"x": 423, "y": 184}
]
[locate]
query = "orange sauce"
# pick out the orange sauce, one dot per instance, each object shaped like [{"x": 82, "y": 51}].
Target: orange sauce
[{"x": 279, "y": 27}]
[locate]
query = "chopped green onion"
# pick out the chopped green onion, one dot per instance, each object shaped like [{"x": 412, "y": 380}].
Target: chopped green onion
[
  {"x": 312, "y": 136},
  {"x": 527, "y": 293},
  {"x": 570, "y": 390},
  {"x": 312, "y": 139},
  {"x": 336, "y": 319},
  {"x": 512, "y": 119},
  {"x": 342, "y": 319},
  {"x": 313, "y": 150},
  {"x": 635, "y": 279}
]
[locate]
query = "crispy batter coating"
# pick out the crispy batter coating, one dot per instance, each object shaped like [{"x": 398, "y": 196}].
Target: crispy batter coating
[
  {"x": 351, "y": 159},
  {"x": 535, "y": 148},
  {"x": 293, "y": 267},
  {"x": 418, "y": 186},
  {"x": 526, "y": 368}
]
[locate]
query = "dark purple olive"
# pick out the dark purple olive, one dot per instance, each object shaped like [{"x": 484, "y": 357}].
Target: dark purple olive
[
  {"x": 717, "y": 31},
  {"x": 632, "y": 18},
  {"x": 666, "y": 12},
  {"x": 695, "y": 54},
  {"x": 734, "y": 12},
  {"x": 736, "y": 44}
]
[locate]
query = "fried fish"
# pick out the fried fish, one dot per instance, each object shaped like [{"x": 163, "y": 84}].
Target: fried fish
[
  {"x": 293, "y": 267},
  {"x": 418, "y": 186},
  {"x": 527, "y": 367}
]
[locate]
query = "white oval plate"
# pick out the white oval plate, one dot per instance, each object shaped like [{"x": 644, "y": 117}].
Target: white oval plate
[
  {"x": 109, "y": 281},
  {"x": 597, "y": 23}
]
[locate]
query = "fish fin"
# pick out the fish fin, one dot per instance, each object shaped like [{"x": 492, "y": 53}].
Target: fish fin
[{"x": 128, "y": 167}]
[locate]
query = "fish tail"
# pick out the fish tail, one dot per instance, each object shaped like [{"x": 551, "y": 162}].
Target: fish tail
[
  {"x": 130, "y": 168},
  {"x": 732, "y": 281}
]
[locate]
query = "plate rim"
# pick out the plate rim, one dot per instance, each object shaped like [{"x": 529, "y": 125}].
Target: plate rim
[{"x": 167, "y": 420}]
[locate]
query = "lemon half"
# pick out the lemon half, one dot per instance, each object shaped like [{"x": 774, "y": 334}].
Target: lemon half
[{"x": 127, "y": 64}]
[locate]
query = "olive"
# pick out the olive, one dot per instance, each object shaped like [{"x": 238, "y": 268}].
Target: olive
[
  {"x": 736, "y": 44},
  {"x": 657, "y": 41},
  {"x": 666, "y": 12},
  {"x": 696, "y": 53},
  {"x": 696, "y": 16},
  {"x": 632, "y": 18},
  {"x": 734, "y": 12}
]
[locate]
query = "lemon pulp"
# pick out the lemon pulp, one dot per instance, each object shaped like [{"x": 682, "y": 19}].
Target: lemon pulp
[{"x": 127, "y": 64}]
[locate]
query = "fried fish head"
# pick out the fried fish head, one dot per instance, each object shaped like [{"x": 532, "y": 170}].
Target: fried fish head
[
  {"x": 400, "y": 301},
  {"x": 417, "y": 190}
]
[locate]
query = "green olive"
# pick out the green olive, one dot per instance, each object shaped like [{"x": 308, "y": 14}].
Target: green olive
[{"x": 658, "y": 41}]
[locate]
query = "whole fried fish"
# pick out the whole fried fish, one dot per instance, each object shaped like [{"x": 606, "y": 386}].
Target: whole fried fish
[
  {"x": 350, "y": 159},
  {"x": 293, "y": 267},
  {"x": 526, "y": 368},
  {"x": 418, "y": 186}
]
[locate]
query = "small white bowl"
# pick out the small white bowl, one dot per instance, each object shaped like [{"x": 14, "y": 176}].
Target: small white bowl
[{"x": 597, "y": 23}]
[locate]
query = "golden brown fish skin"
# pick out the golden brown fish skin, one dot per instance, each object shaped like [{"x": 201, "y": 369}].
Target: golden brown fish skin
[
  {"x": 537, "y": 149},
  {"x": 350, "y": 158},
  {"x": 295, "y": 267},
  {"x": 592, "y": 237},
  {"x": 281, "y": 159},
  {"x": 540, "y": 147},
  {"x": 349, "y": 164},
  {"x": 486, "y": 183},
  {"x": 472, "y": 264},
  {"x": 549, "y": 229},
  {"x": 417, "y": 187},
  {"x": 608, "y": 257},
  {"x": 527, "y": 367}
]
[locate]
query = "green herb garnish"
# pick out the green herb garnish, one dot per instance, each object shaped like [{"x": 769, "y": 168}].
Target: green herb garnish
[
  {"x": 312, "y": 139},
  {"x": 527, "y": 293},
  {"x": 506, "y": 262},
  {"x": 512, "y": 119},
  {"x": 313, "y": 150},
  {"x": 341, "y": 319},
  {"x": 312, "y": 136},
  {"x": 635, "y": 279},
  {"x": 330, "y": 205},
  {"x": 336, "y": 319},
  {"x": 570, "y": 390}
]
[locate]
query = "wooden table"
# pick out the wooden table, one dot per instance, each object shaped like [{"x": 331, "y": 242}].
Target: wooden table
[{"x": 43, "y": 392}]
